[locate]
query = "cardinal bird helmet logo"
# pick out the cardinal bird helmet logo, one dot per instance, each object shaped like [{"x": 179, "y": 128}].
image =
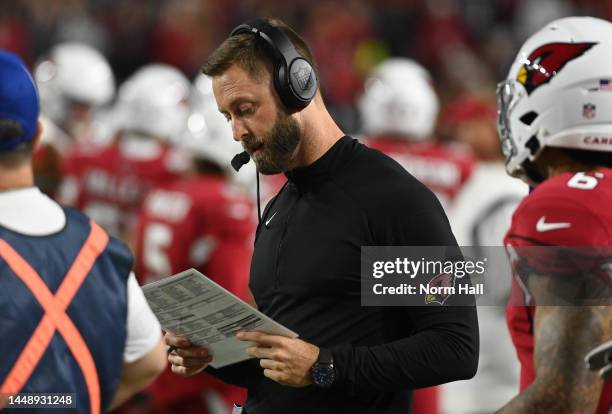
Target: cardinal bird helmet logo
[{"x": 546, "y": 61}]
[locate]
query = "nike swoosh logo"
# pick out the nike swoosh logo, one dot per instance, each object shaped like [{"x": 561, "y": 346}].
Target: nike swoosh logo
[
  {"x": 542, "y": 225},
  {"x": 270, "y": 219}
]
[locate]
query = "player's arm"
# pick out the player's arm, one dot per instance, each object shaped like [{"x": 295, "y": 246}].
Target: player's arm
[
  {"x": 572, "y": 280},
  {"x": 140, "y": 373},
  {"x": 144, "y": 354},
  {"x": 563, "y": 335}
]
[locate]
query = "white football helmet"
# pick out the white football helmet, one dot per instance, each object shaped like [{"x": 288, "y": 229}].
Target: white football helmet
[
  {"x": 558, "y": 92},
  {"x": 73, "y": 72},
  {"x": 399, "y": 99},
  {"x": 209, "y": 136},
  {"x": 154, "y": 101}
]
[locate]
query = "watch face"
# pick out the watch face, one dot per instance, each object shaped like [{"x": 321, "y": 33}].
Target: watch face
[{"x": 323, "y": 375}]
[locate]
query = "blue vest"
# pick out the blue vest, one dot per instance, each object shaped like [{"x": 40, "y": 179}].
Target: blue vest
[{"x": 98, "y": 310}]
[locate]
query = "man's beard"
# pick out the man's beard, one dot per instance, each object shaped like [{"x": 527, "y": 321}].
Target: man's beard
[{"x": 279, "y": 145}]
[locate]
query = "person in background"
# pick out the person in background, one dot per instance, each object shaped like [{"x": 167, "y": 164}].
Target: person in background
[
  {"x": 76, "y": 83},
  {"x": 399, "y": 109},
  {"x": 74, "y": 319},
  {"x": 479, "y": 217},
  {"x": 200, "y": 220},
  {"x": 109, "y": 183},
  {"x": 555, "y": 127}
]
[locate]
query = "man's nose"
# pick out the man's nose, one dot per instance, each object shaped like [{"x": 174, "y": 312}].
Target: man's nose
[{"x": 239, "y": 130}]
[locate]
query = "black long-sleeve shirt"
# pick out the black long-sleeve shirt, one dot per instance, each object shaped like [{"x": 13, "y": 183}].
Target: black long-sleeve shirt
[{"x": 305, "y": 274}]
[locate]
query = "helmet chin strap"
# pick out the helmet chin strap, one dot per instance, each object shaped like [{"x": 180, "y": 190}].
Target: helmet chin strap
[{"x": 532, "y": 173}]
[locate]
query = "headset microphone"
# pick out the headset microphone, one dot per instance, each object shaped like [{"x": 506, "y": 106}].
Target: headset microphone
[
  {"x": 294, "y": 77},
  {"x": 239, "y": 160}
]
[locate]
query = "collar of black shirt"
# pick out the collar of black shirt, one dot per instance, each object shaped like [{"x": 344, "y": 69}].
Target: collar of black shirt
[{"x": 313, "y": 175}]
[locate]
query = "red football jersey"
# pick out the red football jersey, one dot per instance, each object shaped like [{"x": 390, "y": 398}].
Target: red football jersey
[
  {"x": 572, "y": 209},
  {"x": 443, "y": 169},
  {"x": 201, "y": 222},
  {"x": 204, "y": 223},
  {"x": 110, "y": 183}
]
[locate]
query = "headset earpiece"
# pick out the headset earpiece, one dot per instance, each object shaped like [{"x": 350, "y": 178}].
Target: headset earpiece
[{"x": 295, "y": 80}]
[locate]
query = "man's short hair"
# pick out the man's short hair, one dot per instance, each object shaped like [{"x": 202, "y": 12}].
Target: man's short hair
[
  {"x": 252, "y": 54},
  {"x": 18, "y": 155}
]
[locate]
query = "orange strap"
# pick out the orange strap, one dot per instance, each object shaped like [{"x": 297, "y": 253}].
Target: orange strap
[{"x": 55, "y": 316}]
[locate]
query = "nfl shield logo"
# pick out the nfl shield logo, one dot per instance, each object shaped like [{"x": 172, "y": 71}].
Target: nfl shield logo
[{"x": 588, "y": 110}]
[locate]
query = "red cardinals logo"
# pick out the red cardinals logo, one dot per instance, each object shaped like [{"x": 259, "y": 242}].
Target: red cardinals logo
[
  {"x": 546, "y": 61},
  {"x": 440, "y": 288}
]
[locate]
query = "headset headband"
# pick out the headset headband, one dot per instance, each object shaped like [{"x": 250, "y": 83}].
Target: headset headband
[
  {"x": 280, "y": 44},
  {"x": 294, "y": 77}
]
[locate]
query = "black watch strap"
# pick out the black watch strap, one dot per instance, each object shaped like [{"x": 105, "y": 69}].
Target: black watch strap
[
  {"x": 325, "y": 357},
  {"x": 323, "y": 373}
]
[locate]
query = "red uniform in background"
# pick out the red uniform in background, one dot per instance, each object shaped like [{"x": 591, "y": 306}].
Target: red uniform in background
[
  {"x": 442, "y": 168},
  {"x": 568, "y": 210},
  {"x": 110, "y": 183},
  {"x": 204, "y": 223}
]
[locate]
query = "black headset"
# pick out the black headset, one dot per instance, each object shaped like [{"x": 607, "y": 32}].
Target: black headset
[{"x": 294, "y": 77}]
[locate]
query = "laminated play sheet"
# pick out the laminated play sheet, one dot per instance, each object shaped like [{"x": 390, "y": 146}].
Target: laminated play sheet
[{"x": 191, "y": 305}]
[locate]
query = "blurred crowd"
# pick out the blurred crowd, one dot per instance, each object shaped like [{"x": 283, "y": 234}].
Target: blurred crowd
[
  {"x": 133, "y": 137},
  {"x": 466, "y": 44}
]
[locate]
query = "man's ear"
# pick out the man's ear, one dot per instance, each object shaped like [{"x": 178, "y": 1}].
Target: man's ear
[{"x": 38, "y": 134}]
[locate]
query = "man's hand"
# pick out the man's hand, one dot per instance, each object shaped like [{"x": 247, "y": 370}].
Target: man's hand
[
  {"x": 284, "y": 360},
  {"x": 186, "y": 360}
]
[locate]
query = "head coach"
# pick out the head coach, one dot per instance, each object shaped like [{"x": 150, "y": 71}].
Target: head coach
[{"x": 305, "y": 271}]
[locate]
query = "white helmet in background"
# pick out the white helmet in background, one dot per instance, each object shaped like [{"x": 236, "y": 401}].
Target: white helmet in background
[
  {"x": 209, "y": 136},
  {"x": 154, "y": 101},
  {"x": 558, "y": 92},
  {"x": 73, "y": 72},
  {"x": 399, "y": 99}
]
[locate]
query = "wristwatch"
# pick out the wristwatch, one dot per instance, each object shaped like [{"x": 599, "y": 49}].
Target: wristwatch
[{"x": 323, "y": 374}]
